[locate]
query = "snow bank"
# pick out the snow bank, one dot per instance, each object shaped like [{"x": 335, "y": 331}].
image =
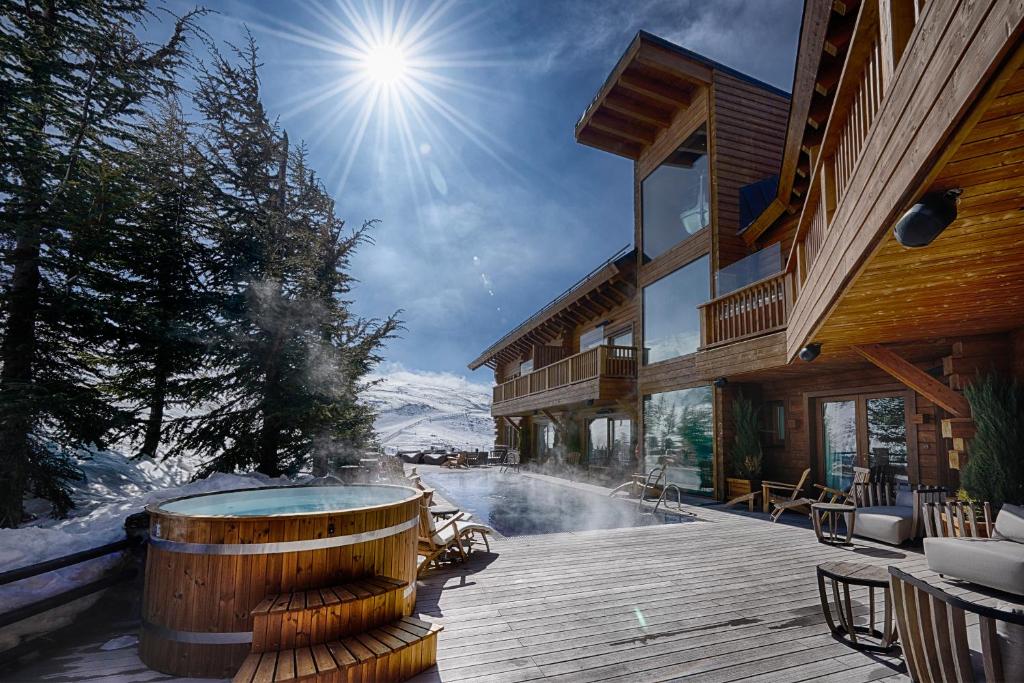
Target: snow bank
[{"x": 127, "y": 486}]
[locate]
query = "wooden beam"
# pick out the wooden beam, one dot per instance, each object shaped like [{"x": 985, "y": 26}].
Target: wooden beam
[
  {"x": 655, "y": 89},
  {"x": 620, "y": 126},
  {"x": 609, "y": 143},
  {"x": 639, "y": 107},
  {"x": 916, "y": 378},
  {"x": 548, "y": 414}
]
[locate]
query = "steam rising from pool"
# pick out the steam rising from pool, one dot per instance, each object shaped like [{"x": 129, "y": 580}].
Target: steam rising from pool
[{"x": 521, "y": 506}]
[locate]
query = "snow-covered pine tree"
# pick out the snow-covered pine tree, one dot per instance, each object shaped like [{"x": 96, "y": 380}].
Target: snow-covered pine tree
[
  {"x": 157, "y": 268},
  {"x": 73, "y": 82},
  {"x": 286, "y": 355}
]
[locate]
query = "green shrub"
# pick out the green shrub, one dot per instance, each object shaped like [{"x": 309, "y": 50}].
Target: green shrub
[
  {"x": 995, "y": 466},
  {"x": 746, "y": 456}
]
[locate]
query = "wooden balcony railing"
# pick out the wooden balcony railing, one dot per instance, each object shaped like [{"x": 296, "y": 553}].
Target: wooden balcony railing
[
  {"x": 600, "y": 361},
  {"x": 875, "y": 51},
  {"x": 759, "y": 308}
]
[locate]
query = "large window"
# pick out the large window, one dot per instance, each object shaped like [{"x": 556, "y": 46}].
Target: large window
[
  {"x": 678, "y": 432},
  {"x": 675, "y": 197},
  {"x": 671, "y": 318},
  {"x": 544, "y": 439},
  {"x": 610, "y": 443},
  {"x": 594, "y": 337}
]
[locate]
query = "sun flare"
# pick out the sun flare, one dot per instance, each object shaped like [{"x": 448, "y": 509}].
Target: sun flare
[{"x": 385, "y": 64}]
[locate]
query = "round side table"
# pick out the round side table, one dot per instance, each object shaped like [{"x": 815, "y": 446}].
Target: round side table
[
  {"x": 842, "y": 575},
  {"x": 822, "y": 513}
]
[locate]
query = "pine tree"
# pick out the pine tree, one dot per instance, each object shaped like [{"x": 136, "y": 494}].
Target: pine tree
[
  {"x": 156, "y": 268},
  {"x": 73, "y": 82},
  {"x": 287, "y": 357}
]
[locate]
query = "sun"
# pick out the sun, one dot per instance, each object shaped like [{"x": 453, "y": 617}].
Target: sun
[{"x": 385, "y": 64}]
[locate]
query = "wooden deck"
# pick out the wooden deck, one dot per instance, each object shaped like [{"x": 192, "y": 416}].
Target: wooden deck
[{"x": 728, "y": 598}]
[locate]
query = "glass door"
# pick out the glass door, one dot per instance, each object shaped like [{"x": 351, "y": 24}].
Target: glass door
[
  {"x": 839, "y": 442},
  {"x": 863, "y": 431},
  {"x": 887, "y": 436}
]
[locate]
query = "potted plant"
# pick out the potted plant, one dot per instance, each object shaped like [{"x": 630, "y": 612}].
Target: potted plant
[
  {"x": 995, "y": 465},
  {"x": 745, "y": 456}
]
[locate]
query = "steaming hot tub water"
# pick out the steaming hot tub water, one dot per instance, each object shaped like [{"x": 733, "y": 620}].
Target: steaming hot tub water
[
  {"x": 285, "y": 501},
  {"x": 521, "y": 506}
]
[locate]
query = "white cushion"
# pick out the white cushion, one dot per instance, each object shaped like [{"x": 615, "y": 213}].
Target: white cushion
[
  {"x": 892, "y": 524},
  {"x": 991, "y": 562},
  {"x": 905, "y": 498},
  {"x": 1010, "y": 523}
]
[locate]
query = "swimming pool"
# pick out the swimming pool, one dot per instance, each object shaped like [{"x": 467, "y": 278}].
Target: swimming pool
[{"x": 516, "y": 505}]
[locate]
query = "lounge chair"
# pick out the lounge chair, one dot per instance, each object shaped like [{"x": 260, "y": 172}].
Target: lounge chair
[
  {"x": 785, "y": 497},
  {"x": 456, "y": 461},
  {"x": 452, "y": 535},
  {"x": 511, "y": 461},
  {"x": 933, "y": 625},
  {"x": 955, "y": 548}
]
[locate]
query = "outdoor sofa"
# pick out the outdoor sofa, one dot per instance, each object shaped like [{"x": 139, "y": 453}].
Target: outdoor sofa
[
  {"x": 894, "y": 524},
  {"x": 996, "y": 562}
]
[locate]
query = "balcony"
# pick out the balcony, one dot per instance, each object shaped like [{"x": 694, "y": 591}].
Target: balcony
[
  {"x": 603, "y": 372},
  {"x": 758, "y": 309}
]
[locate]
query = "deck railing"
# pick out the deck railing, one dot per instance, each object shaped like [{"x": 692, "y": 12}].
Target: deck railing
[
  {"x": 757, "y": 309},
  {"x": 600, "y": 361}
]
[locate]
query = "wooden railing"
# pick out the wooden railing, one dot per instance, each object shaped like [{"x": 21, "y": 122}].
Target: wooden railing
[
  {"x": 600, "y": 361},
  {"x": 875, "y": 50},
  {"x": 759, "y": 308}
]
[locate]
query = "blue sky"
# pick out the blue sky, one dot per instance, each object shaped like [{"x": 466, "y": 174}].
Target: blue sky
[{"x": 488, "y": 207}]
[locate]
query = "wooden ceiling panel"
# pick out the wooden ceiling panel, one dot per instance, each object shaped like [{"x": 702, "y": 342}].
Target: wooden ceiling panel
[{"x": 970, "y": 280}]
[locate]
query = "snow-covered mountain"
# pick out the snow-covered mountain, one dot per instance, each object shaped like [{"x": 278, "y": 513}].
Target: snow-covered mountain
[{"x": 422, "y": 409}]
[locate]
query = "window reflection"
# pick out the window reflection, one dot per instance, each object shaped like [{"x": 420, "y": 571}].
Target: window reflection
[
  {"x": 675, "y": 197},
  {"x": 671, "y": 318},
  {"x": 678, "y": 431}
]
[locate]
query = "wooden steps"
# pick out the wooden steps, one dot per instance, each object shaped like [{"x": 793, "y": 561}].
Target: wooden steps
[
  {"x": 392, "y": 652},
  {"x": 355, "y": 631},
  {"x": 320, "y": 615}
]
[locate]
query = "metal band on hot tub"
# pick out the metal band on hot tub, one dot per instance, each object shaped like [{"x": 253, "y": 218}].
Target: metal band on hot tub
[{"x": 282, "y": 546}]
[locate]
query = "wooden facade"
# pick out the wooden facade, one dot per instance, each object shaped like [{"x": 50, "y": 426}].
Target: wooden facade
[{"x": 893, "y": 100}]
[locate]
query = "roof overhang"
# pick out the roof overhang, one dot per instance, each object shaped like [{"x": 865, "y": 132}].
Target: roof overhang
[
  {"x": 814, "y": 81},
  {"x": 651, "y": 84},
  {"x": 607, "y": 287}
]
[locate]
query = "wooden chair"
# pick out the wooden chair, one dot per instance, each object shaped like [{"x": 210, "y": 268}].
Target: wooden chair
[
  {"x": 457, "y": 460},
  {"x": 784, "y": 496},
  {"x": 827, "y": 494},
  {"x": 453, "y": 535},
  {"x": 932, "y": 626},
  {"x": 957, "y": 519},
  {"x": 511, "y": 461}
]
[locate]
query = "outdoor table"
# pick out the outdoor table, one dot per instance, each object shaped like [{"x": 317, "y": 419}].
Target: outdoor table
[
  {"x": 860, "y": 637},
  {"x": 443, "y": 511},
  {"x": 829, "y": 512}
]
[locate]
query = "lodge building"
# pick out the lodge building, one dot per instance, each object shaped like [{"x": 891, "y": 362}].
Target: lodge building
[{"x": 764, "y": 232}]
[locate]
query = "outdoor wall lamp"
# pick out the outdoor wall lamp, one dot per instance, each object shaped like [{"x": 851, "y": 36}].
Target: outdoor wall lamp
[
  {"x": 721, "y": 382},
  {"x": 810, "y": 352},
  {"x": 926, "y": 220}
]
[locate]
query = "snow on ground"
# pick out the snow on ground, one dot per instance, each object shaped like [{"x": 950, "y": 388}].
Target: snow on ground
[
  {"x": 416, "y": 410},
  {"x": 420, "y": 409}
]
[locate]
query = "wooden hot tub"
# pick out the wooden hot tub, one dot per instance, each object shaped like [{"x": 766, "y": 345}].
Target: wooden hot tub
[{"x": 214, "y": 557}]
